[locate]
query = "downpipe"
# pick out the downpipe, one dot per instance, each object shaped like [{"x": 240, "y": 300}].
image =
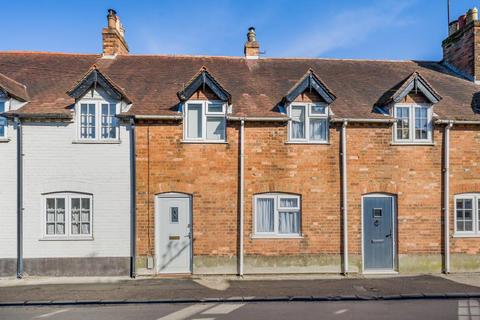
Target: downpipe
[
  {"x": 446, "y": 198},
  {"x": 344, "y": 197},
  {"x": 133, "y": 200},
  {"x": 242, "y": 194},
  {"x": 20, "y": 267}
]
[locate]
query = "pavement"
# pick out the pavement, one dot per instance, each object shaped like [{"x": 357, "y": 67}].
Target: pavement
[
  {"x": 371, "y": 310},
  {"x": 104, "y": 291}
]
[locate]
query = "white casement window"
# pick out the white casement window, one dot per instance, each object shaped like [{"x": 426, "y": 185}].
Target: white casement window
[
  {"x": 276, "y": 215},
  {"x": 97, "y": 120},
  {"x": 3, "y": 120},
  {"x": 67, "y": 215},
  {"x": 309, "y": 123},
  {"x": 205, "y": 121},
  {"x": 413, "y": 123},
  {"x": 467, "y": 214}
]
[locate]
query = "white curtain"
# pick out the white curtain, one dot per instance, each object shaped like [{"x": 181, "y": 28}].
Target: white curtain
[
  {"x": 265, "y": 214},
  {"x": 289, "y": 222},
  {"x": 194, "y": 118},
  {"x": 318, "y": 129},
  {"x": 298, "y": 122}
]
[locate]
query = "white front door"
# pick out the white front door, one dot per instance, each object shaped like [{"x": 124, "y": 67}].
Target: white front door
[{"x": 173, "y": 234}]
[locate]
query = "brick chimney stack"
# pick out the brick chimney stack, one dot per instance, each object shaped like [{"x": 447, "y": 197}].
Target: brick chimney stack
[
  {"x": 114, "y": 36},
  {"x": 252, "y": 47},
  {"x": 461, "y": 49}
]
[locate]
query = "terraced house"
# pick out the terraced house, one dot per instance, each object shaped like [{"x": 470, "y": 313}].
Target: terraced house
[{"x": 149, "y": 164}]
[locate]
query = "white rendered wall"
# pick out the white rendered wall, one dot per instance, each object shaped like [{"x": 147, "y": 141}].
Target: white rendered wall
[
  {"x": 8, "y": 194},
  {"x": 54, "y": 163}
]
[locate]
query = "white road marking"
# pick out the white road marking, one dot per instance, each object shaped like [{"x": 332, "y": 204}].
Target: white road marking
[
  {"x": 341, "y": 311},
  {"x": 186, "y": 312},
  {"x": 224, "y": 308},
  {"x": 468, "y": 310},
  {"x": 46, "y": 315}
]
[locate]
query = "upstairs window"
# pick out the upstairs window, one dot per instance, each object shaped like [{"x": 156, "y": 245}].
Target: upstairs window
[
  {"x": 276, "y": 215},
  {"x": 205, "y": 121},
  {"x": 467, "y": 215},
  {"x": 309, "y": 123},
  {"x": 68, "y": 215},
  {"x": 413, "y": 123},
  {"x": 3, "y": 120},
  {"x": 97, "y": 120}
]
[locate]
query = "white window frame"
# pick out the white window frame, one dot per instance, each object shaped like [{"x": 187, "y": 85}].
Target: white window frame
[
  {"x": 68, "y": 216},
  {"x": 98, "y": 119},
  {"x": 277, "y": 209},
  {"x": 6, "y": 102},
  {"x": 309, "y": 115},
  {"x": 475, "y": 197},
  {"x": 411, "y": 107},
  {"x": 205, "y": 114}
]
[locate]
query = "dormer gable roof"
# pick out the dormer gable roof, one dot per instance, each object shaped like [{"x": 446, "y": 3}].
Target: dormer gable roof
[
  {"x": 414, "y": 82},
  {"x": 312, "y": 82},
  {"x": 93, "y": 78},
  {"x": 201, "y": 79},
  {"x": 10, "y": 87}
]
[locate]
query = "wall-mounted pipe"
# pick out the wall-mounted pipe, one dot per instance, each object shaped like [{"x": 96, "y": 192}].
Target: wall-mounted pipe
[
  {"x": 242, "y": 194},
  {"x": 133, "y": 201},
  {"x": 18, "y": 126},
  {"x": 446, "y": 197},
  {"x": 344, "y": 197}
]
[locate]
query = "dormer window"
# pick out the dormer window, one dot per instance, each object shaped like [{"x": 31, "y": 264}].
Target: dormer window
[
  {"x": 309, "y": 122},
  {"x": 413, "y": 123},
  {"x": 205, "y": 121},
  {"x": 98, "y": 102},
  {"x": 308, "y": 104},
  {"x": 410, "y": 103},
  {"x": 97, "y": 120}
]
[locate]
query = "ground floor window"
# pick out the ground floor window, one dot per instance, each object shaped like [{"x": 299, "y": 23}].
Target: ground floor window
[
  {"x": 277, "y": 214},
  {"x": 68, "y": 215},
  {"x": 467, "y": 208}
]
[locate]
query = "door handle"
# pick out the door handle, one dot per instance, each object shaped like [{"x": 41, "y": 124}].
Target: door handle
[
  {"x": 388, "y": 235},
  {"x": 188, "y": 235}
]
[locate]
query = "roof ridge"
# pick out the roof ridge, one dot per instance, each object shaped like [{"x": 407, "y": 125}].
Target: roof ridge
[{"x": 48, "y": 53}]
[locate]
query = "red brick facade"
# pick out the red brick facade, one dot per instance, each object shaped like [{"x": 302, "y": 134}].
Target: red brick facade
[{"x": 210, "y": 173}]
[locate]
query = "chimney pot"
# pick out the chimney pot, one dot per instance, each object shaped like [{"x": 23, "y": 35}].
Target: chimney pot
[
  {"x": 114, "y": 36},
  {"x": 252, "y": 47}
]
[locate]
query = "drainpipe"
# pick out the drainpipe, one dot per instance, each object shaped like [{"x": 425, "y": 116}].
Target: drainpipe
[
  {"x": 133, "y": 222},
  {"x": 19, "y": 198},
  {"x": 242, "y": 195},
  {"x": 344, "y": 198},
  {"x": 446, "y": 197}
]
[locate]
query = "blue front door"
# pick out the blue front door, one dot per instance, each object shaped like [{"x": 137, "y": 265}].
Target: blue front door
[{"x": 378, "y": 233}]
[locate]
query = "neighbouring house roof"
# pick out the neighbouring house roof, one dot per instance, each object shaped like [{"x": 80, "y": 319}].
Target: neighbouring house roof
[
  {"x": 13, "y": 88},
  {"x": 256, "y": 87}
]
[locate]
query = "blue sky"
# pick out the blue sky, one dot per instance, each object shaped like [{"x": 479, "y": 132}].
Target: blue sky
[{"x": 370, "y": 29}]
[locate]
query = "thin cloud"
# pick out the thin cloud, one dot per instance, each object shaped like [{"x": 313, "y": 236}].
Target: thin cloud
[{"x": 348, "y": 28}]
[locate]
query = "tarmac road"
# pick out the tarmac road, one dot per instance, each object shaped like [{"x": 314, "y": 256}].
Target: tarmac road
[{"x": 371, "y": 310}]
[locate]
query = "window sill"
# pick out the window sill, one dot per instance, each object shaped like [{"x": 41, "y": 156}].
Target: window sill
[
  {"x": 64, "y": 238},
  {"x": 203, "y": 142},
  {"x": 307, "y": 142},
  {"x": 277, "y": 237},
  {"x": 466, "y": 235},
  {"x": 96, "y": 142},
  {"x": 4, "y": 140},
  {"x": 412, "y": 143}
]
